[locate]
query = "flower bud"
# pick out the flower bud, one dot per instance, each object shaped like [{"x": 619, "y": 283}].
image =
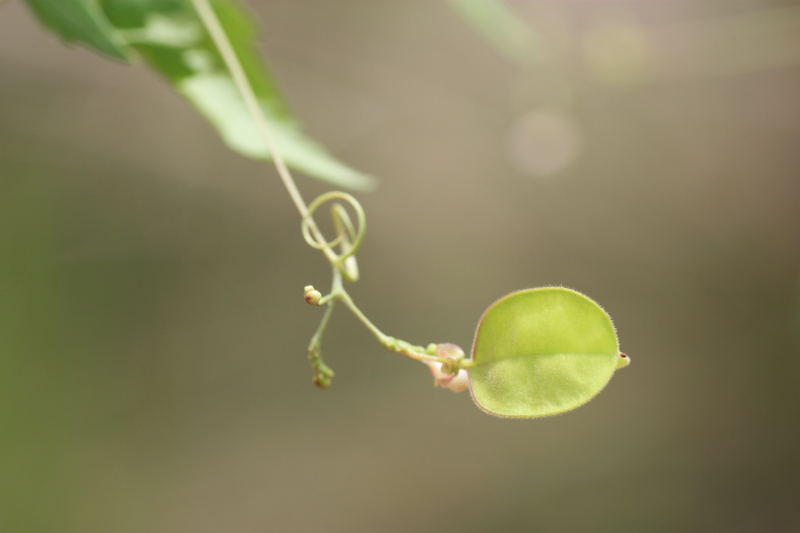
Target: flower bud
[
  {"x": 460, "y": 381},
  {"x": 448, "y": 375},
  {"x": 312, "y": 295}
]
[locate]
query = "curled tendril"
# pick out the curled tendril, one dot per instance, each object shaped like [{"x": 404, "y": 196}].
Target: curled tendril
[{"x": 348, "y": 236}]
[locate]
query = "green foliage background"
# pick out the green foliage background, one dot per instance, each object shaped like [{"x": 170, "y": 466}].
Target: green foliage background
[{"x": 152, "y": 329}]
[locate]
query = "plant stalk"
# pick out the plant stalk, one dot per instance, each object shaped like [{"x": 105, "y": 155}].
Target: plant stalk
[{"x": 212, "y": 24}]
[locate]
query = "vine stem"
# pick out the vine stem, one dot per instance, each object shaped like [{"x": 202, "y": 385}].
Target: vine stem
[
  {"x": 212, "y": 24},
  {"x": 338, "y": 292},
  {"x": 217, "y": 33},
  {"x": 322, "y": 373}
]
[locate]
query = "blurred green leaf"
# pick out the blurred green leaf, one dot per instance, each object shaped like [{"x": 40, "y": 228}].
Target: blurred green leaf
[
  {"x": 503, "y": 28},
  {"x": 541, "y": 352},
  {"x": 170, "y": 37},
  {"x": 83, "y": 21}
]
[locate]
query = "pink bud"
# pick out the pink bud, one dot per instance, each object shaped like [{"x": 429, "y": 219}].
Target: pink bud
[
  {"x": 455, "y": 382},
  {"x": 460, "y": 381}
]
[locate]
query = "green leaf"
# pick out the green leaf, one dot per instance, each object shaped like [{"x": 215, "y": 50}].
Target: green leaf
[
  {"x": 83, "y": 21},
  {"x": 170, "y": 37},
  {"x": 541, "y": 352}
]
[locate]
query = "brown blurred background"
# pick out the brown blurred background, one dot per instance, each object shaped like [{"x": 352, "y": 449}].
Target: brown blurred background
[{"x": 153, "y": 334}]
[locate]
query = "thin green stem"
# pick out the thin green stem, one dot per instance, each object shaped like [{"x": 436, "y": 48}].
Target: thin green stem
[
  {"x": 316, "y": 340},
  {"x": 389, "y": 342},
  {"x": 348, "y": 301},
  {"x": 322, "y": 372},
  {"x": 212, "y": 24}
]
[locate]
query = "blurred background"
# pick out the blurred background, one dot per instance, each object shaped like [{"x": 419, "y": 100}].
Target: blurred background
[{"x": 153, "y": 372}]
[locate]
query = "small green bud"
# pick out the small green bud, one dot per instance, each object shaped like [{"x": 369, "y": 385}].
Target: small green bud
[
  {"x": 312, "y": 295},
  {"x": 392, "y": 344},
  {"x": 322, "y": 378},
  {"x": 623, "y": 360}
]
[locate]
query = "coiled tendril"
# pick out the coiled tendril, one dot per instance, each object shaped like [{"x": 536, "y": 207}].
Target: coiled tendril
[{"x": 348, "y": 236}]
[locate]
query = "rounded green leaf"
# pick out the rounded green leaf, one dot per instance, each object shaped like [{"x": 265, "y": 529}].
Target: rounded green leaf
[{"x": 541, "y": 352}]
